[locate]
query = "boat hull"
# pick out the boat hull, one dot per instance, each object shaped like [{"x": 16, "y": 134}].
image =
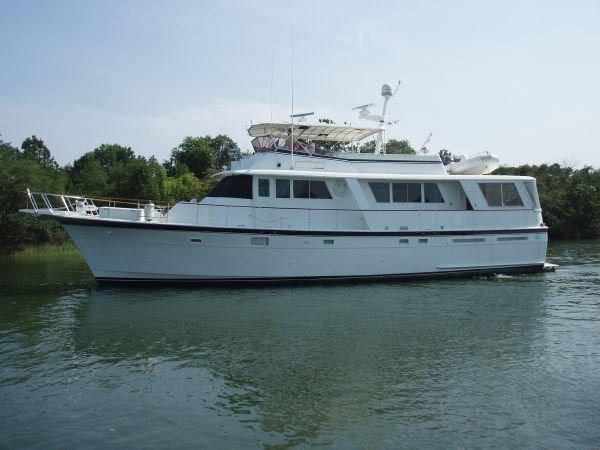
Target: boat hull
[{"x": 119, "y": 252}]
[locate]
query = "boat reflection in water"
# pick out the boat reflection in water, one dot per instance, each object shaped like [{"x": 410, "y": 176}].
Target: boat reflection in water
[{"x": 297, "y": 365}]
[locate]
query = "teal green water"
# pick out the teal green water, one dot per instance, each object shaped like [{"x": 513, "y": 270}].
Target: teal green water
[{"x": 499, "y": 361}]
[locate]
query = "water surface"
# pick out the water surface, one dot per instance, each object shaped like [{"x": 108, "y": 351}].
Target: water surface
[{"x": 498, "y": 361}]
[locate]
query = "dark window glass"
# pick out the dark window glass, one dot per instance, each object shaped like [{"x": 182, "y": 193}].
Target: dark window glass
[
  {"x": 318, "y": 189},
  {"x": 432, "y": 193},
  {"x": 263, "y": 187},
  {"x": 510, "y": 195},
  {"x": 282, "y": 188},
  {"x": 234, "y": 186},
  {"x": 400, "y": 192},
  {"x": 381, "y": 191},
  {"x": 414, "y": 192},
  {"x": 492, "y": 193},
  {"x": 301, "y": 189}
]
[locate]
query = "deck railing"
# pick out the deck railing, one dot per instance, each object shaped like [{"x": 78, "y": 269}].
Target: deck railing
[{"x": 74, "y": 204}]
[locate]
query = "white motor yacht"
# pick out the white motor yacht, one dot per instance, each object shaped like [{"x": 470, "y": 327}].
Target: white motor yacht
[{"x": 295, "y": 211}]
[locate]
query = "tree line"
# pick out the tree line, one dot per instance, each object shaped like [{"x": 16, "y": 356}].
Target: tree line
[
  {"x": 110, "y": 170},
  {"x": 570, "y": 197}
]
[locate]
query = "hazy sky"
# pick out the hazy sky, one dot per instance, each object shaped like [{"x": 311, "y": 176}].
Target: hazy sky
[{"x": 519, "y": 78}]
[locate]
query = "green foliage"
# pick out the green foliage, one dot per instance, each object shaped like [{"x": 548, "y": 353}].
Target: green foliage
[
  {"x": 197, "y": 154},
  {"x": 367, "y": 147},
  {"x": 35, "y": 150},
  {"x": 112, "y": 170},
  {"x": 222, "y": 145},
  {"x": 447, "y": 157},
  {"x": 19, "y": 171},
  {"x": 186, "y": 187},
  {"x": 393, "y": 146},
  {"x": 402, "y": 147}
]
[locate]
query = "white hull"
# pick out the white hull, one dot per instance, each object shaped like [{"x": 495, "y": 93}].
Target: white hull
[{"x": 137, "y": 254}]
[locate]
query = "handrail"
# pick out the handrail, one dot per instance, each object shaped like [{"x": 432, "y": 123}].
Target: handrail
[{"x": 121, "y": 200}]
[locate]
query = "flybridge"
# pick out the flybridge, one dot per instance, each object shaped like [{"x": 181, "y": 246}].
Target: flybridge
[{"x": 308, "y": 132}]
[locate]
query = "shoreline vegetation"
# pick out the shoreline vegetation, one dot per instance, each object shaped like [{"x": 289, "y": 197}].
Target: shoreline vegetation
[
  {"x": 66, "y": 249},
  {"x": 570, "y": 197}
]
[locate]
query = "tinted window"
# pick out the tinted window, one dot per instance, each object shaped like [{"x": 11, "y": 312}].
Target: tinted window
[
  {"x": 406, "y": 192},
  {"x": 235, "y": 186},
  {"x": 263, "y": 187},
  {"x": 510, "y": 195},
  {"x": 301, "y": 189},
  {"x": 501, "y": 194},
  {"x": 318, "y": 189},
  {"x": 414, "y": 192},
  {"x": 381, "y": 191},
  {"x": 282, "y": 188},
  {"x": 432, "y": 193},
  {"x": 492, "y": 193},
  {"x": 400, "y": 192}
]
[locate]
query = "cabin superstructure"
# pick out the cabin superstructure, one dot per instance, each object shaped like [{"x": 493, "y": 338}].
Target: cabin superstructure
[{"x": 358, "y": 191}]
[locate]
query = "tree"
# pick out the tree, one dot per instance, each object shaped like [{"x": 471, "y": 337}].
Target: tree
[
  {"x": 367, "y": 147},
  {"x": 19, "y": 171},
  {"x": 393, "y": 146},
  {"x": 35, "y": 149},
  {"x": 447, "y": 157},
  {"x": 113, "y": 170},
  {"x": 186, "y": 187},
  {"x": 222, "y": 145},
  {"x": 196, "y": 153}
]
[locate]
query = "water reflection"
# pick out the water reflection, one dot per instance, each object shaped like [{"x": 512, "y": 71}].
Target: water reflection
[{"x": 302, "y": 361}]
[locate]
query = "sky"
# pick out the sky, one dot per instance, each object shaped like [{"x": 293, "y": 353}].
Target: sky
[{"x": 518, "y": 78}]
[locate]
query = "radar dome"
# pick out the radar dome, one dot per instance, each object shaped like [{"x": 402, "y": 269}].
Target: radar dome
[{"x": 386, "y": 91}]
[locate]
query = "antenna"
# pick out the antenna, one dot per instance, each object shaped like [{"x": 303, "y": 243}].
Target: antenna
[
  {"x": 364, "y": 113},
  {"x": 424, "y": 148},
  {"x": 292, "y": 115},
  {"x": 302, "y": 116},
  {"x": 272, "y": 65}
]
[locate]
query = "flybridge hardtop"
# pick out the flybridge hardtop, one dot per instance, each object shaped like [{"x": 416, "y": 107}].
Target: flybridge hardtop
[
  {"x": 295, "y": 211},
  {"x": 313, "y": 132}
]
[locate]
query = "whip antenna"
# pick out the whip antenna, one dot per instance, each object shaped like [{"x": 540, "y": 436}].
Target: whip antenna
[{"x": 292, "y": 127}]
